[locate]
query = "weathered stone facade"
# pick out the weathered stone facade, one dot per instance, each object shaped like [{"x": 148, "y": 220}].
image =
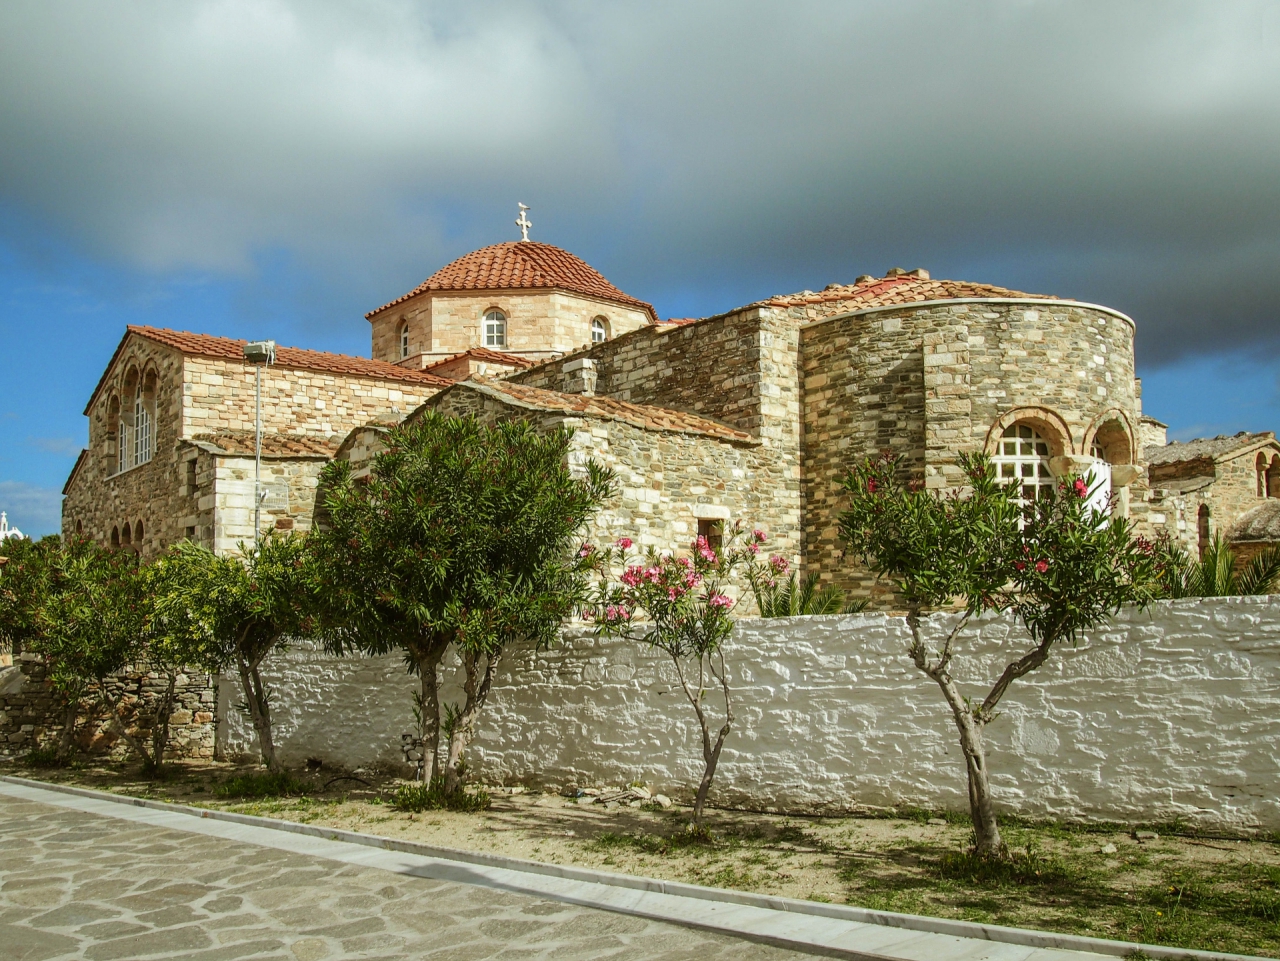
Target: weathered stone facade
[{"x": 33, "y": 715}]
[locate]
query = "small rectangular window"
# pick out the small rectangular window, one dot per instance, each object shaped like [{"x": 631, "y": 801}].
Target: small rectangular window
[{"x": 712, "y": 531}]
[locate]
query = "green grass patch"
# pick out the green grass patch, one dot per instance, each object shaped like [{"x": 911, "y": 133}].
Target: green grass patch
[
  {"x": 263, "y": 785},
  {"x": 1024, "y": 867},
  {"x": 433, "y": 797},
  {"x": 45, "y": 756}
]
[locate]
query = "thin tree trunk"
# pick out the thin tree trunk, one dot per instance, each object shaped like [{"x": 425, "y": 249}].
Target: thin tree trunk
[
  {"x": 68, "y": 728},
  {"x": 160, "y": 727},
  {"x": 476, "y": 688},
  {"x": 113, "y": 720},
  {"x": 259, "y": 711},
  {"x": 428, "y": 660},
  {"x": 711, "y": 755}
]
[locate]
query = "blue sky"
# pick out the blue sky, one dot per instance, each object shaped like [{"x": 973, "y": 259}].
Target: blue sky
[{"x": 267, "y": 168}]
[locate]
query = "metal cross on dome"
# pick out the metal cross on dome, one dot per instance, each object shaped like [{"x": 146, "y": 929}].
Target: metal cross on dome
[{"x": 523, "y": 222}]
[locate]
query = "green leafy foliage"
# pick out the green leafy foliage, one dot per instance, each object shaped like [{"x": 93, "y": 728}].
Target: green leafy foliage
[
  {"x": 25, "y": 586},
  {"x": 262, "y": 785},
  {"x": 460, "y": 533},
  {"x": 1060, "y": 566},
  {"x": 432, "y": 796},
  {"x": 219, "y": 611},
  {"x": 1216, "y": 573},
  {"x": 792, "y": 596},
  {"x": 678, "y": 605}
]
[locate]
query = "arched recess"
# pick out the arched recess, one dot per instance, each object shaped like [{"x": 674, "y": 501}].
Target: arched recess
[
  {"x": 1260, "y": 468},
  {"x": 126, "y": 439},
  {"x": 137, "y": 533},
  {"x": 111, "y": 450},
  {"x": 1047, "y": 423},
  {"x": 1273, "y": 477},
  {"x": 126, "y": 535},
  {"x": 1203, "y": 530},
  {"x": 115, "y": 537},
  {"x": 1112, "y": 433}
]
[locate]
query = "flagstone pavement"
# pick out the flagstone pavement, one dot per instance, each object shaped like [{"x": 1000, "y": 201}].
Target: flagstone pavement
[{"x": 75, "y": 885}]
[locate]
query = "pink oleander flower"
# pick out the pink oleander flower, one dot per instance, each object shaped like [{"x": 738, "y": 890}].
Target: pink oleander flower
[
  {"x": 720, "y": 600},
  {"x": 708, "y": 554},
  {"x": 586, "y": 550},
  {"x": 1020, "y": 565},
  {"x": 686, "y": 562},
  {"x": 779, "y": 564},
  {"x": 624, "y": 543},
  {"x": 673, "y": 593},
  {"x": 1144, "y": 545},
  {"x": 758, "y": 536},
  {"x": 588, "y": 615},
  {"x": 631, "y": 576},
  {"x": 1082, "y": 489},
  {"x": 652, "y": 574},
  {"x": 872, "y": 485},
  {"x": 1042, "y": 566},
  {"x": 753, "y": 548}
]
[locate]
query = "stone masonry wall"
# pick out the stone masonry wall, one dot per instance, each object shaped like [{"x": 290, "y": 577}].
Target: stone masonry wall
[
  {"x": 290, "y": 487},
  {"x": 33, "y": 715},
  {"x": 666, "y": 479},
  {"x": 1173, "y": 712},
  {"x": 539, "y": 323},
  {"x": 930, "y": 382}
]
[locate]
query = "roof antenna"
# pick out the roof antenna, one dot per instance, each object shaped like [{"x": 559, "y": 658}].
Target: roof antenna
[{"x": 523, "y": 222}]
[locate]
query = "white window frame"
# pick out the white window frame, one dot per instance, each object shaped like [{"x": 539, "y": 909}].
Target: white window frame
[
  {"x": 599, "y": 326},
  {"x": 495, "y": 329},
  {"x": 1022, "y": 457},
  {"x": 404, "y": 340},
  {"x": 142, "y": 446}
]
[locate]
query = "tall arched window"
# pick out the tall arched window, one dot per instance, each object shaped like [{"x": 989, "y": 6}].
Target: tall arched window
[
  {"x": 1260, "y": 467},
  {"x": 1202, "y": 528},
  {"x": 141, "y": 429},
  {"x": 495, "y": 329},
  {"x": 1023, "y": 459},
  {"x": 599, "y": 330},
  {"x": 404, "y": 340},
  {"x": 124, "y": 441}
]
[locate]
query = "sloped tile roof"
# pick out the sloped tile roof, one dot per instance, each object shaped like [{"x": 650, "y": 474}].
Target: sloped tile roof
[
  {"x": 273, "y": 445},
  {"x": 606, "y": 408},
  {"x": 1262, "y": 523},
  {"x": 522, "y": 265},
  {"x": 1205, "y": 447},
  {"x": 294, "y": 358},
  {"x": 487, "y": 355},
  {"x": 891, "y": 291}
]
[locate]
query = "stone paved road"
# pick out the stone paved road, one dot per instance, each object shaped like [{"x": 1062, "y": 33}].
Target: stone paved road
[{"x": 76, "y": 885}]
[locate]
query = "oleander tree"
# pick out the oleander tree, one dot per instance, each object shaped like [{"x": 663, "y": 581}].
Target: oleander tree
[
  {"x": 1060, "y": 566},
  {"x": 460, "y": 534},
  {"x": 680, "y": 606},
  {"x": 235, "y": 612},
  {"x": 92, "y": 625}
]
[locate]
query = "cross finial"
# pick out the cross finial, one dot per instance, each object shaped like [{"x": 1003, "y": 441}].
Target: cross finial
[{"x": 523, "y": 222}]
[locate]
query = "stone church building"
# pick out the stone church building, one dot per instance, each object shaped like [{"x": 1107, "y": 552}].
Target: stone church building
[{"x": 754, "y": 414}]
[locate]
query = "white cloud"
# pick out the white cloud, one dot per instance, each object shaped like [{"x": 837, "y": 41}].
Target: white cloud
[
  {"x": 365, "y": 143},
  {"x": 35, "y": 511}
]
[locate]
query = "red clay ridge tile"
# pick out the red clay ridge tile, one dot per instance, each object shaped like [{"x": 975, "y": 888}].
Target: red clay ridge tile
[{"x": 889, "y": 291}]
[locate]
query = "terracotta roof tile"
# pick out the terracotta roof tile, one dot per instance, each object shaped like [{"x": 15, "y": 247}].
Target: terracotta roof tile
[
  {"x": 522, "y": 265},
  {"x": 889, "y": 291},
  {"x": 273, "y": 444},
  {"x": 638, "y": 415},
  {"x": 485, "y": 354},
  {"x": 1206, "y": 447}
]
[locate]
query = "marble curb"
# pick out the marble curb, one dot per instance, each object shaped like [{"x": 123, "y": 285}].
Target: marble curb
[{"x": 970, "y": 931}]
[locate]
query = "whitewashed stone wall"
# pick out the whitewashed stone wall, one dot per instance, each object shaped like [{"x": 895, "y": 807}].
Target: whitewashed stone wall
[{"x": 1170, "y": 712}]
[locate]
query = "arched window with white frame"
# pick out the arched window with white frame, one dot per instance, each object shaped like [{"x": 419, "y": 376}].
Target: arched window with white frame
[
  {"x": 495, "y": 329},
  {"x": 404, "y": 340},
  {"x": 142, "y": 445},
  {"x": 1022, "y": 458},
  {"x": 599, "y": 330}
]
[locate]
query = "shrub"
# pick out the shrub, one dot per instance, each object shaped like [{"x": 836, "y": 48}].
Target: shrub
[
  {"x": 47, "y": 755},
  {"x": 420, "y": 796},
  {"x": 267, "y": 784}
]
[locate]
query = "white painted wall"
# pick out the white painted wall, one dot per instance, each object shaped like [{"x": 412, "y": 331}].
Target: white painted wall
[{"x": 1170, "y": 712}]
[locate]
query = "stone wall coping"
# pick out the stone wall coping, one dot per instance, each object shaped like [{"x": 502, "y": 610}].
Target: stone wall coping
[
  {"x": 911, "y": 922},
  {"x": 1039, "y": 302}
]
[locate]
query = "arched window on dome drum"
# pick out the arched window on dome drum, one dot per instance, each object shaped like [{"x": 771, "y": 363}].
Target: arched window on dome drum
[
  {"x": 599, "y": 330},
  {"x": 495, "y": 329},
  {"x": 1023, "y": 459},
  {"x": 404, "y": 340}
]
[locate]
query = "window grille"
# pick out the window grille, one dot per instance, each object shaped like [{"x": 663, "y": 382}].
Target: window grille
[
  {"x": 1023, "y": 459},
  {"x": 495, "y": 329}
]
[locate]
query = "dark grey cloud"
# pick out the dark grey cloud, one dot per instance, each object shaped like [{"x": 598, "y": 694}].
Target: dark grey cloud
[{"x": 706, "y": 153}]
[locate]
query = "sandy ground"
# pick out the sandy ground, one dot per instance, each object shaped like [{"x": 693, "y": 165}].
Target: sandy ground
[{"x": 1221, "y": 894}]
